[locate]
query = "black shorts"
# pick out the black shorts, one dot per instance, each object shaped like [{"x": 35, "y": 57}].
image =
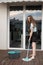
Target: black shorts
[{"x": 34, "y": 37}]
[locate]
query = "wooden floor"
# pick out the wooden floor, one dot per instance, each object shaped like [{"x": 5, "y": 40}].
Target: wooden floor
[{"x": 4, "y": 59}]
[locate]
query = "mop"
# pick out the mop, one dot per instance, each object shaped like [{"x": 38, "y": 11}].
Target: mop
[{"x": 27, "y": 58}]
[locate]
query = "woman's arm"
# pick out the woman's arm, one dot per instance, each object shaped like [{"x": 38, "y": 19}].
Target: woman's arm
[
  {"x": 31, "y": 34},
  {"x": 31, "y": 31}
]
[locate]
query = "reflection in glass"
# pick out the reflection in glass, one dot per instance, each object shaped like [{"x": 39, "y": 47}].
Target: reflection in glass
[
  {"x": 16, "y": 27},
  {"x": 37, "y": 15}
]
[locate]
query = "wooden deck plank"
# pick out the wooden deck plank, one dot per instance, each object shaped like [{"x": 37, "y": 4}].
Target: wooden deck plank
[{"x": 4, "y": 59}]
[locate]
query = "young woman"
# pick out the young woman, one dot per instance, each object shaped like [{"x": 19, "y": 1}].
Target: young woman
[{"x": 33, "y": 35}]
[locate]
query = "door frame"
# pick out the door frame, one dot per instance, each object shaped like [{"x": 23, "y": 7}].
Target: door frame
[{"x": 24, "y": 29}]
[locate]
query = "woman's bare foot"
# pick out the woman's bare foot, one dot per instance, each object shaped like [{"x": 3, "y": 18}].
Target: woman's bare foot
[
  {"x": 32, "y": 55},
  {"x": 32, "y": 58}
]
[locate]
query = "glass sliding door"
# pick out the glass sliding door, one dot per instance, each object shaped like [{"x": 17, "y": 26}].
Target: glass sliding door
[
  {"x": 16, "y": 26},
  {"x": 19, "y": 28},
  {"x": 36, "y": 13}
]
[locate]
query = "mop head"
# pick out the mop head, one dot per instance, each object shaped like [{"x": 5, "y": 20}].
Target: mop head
[{"x": 28, "y": 59}]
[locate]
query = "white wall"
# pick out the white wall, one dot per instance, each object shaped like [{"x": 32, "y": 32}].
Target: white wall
[
  {"x": 3, "y": 26},
  {"x": 42, "y": 30}
]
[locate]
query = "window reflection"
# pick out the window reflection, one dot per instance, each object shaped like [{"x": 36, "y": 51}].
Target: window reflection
[
  {"x": 37, "y": 15},
  {"x": 16, "y": 26}
]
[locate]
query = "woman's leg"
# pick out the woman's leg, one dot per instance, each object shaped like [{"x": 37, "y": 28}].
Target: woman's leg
[{"x": 33, "y": 49}]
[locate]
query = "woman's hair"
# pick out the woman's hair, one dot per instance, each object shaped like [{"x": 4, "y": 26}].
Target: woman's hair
[{"x": 32, "y": 20}]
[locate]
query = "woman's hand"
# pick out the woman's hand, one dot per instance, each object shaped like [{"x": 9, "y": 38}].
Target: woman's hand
[
  {"x": 29, "y": 39},
  {"x": 30, "y": 35}
]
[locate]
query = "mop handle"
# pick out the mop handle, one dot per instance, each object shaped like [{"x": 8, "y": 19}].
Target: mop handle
[
  {"x": 28, "y": 47},
  {"x": 29, "y": 43}
]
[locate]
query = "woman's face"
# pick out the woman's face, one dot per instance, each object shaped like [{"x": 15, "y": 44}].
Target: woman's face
[{"x": 29, "y": 19}]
